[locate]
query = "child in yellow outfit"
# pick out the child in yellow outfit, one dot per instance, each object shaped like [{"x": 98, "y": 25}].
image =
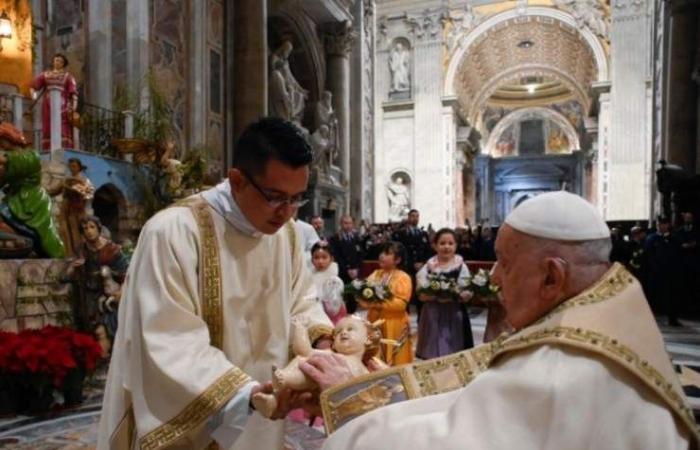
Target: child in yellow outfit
[{"x": 393, "y": 311}]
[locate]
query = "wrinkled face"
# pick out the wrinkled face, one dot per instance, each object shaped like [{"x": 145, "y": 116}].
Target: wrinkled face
[
  {"x": 446, "y": 245},
  {"x": 278, "y": 181},
  {"x": 388, "y": 261},
  {"x": 317, "y": 223},
  {"x": 413, "y": 218},
  {"x": 347, "y": 224},
  {"x": 321, "y": 259},
  {"x": 91, "y": 232},
  {"x": 519, "y": 273},
  {"x": 350, "y": 336}
]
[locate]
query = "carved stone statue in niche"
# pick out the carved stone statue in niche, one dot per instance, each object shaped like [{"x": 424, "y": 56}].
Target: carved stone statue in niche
[
  {"x": 287, "y": 97},
  {"x": 399, "y": 66},
  {"x": 324, "y": 151},
  {"x": 324, "y": 115},
  {"x": 399, "y": 195}
]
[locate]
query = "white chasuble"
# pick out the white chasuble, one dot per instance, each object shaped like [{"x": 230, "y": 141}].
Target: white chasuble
[
  {"x": 591, "y": 374},
  {"x": 194, "y": 331}
]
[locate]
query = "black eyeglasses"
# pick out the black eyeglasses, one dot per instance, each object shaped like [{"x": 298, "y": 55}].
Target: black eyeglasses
[{"x": 276, "y": 201}]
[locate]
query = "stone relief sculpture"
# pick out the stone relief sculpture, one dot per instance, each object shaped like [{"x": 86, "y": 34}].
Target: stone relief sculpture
[
  {"x": 287, "y": 97},
  {"x": 459, "y": 23},
  {"x": 399, "y": 195},
  {"x": 399, "y": 67},
  {"x": 588, "y": 13}
]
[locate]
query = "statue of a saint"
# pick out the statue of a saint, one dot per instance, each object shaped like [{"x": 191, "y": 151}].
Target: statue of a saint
[
  {"x": 399, "y": 67},
  {"x": 324, "y": 115},
  {"x": 287, "y": 97},
  {"x": 58, "y": 76},
  {"x": 324, "y": 151},
  {"x": 399, "y": 199}
]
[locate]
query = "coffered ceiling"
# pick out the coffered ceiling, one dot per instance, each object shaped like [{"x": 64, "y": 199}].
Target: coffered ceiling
[{"x": 498, "y": 64}]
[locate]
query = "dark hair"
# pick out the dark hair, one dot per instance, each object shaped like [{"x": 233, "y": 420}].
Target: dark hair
[
  {"x": 442, "y": 231},
  {"x": 313, "y": 216},
  {"x": 77, "y": 161},
  {"x": 63, "y": 57},
  {"x": 413, "y": 211},
  {"x": 271, "y": 138},
  {"x": 322, "y": 245},
  {"x": 94, "y": 219},
  {"x": 393, "y": 247}
]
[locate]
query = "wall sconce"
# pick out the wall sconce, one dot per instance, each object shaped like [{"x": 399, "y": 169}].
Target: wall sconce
[{"x": 5, "y": 27}]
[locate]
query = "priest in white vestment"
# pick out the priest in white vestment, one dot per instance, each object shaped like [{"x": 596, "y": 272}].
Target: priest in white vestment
[
  {"x": 212, "y": 288},
  {"x": 586, "y": 367}
]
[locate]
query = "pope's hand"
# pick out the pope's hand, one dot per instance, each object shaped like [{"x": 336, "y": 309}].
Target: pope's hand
[{"x": 326, "y": 369}]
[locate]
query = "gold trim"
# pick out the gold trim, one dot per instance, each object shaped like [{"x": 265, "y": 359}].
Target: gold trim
[
  {"x": 123, "y": 435},
  {"x": 616, "y": 280},
  {"x": 210, "y": 272},
  {"x": 613, "y": 350},
  {"x": 198, "y": 410}
]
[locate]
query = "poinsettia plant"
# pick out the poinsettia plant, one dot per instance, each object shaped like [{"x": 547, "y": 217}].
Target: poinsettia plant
[{"x": 39, "y": 361}]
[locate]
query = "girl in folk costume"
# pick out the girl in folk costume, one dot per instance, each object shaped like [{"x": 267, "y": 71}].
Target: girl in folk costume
[
  {"x": 58, "y": 76},
  {"x": 444, "y": 327},
  {"x": 329, "y": 286},
  {"x": 396, "y": 324}
]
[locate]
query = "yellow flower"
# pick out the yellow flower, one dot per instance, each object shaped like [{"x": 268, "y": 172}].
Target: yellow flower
[
  {"x": 367, "y": 293},
  {"x": 434, "y": 285}
]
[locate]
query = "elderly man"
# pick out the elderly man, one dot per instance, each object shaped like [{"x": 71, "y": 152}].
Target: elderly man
[{"x": 585, "y": 368}]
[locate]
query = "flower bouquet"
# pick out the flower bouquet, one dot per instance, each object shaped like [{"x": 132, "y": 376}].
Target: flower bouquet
[
  {"x": 440, "y": 286},
  {"x": 368, "y": 290},
  {"x": 484, "y": 291},
  {"x": 41, "y": 365}
]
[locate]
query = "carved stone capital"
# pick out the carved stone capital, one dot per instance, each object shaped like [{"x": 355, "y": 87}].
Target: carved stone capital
[
  {"x": 425, "y": 26},
  {"x": 629, "y": 6},
  {"x": 339, "y": 39}
]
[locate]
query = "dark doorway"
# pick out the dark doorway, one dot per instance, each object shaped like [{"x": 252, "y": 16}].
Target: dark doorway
[
  {"x": 531, "y": 138},
  {"x": 106, "y": 205}
]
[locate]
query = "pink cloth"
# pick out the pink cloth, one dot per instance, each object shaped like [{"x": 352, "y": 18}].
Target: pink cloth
[{"x": 70, "y": 89}]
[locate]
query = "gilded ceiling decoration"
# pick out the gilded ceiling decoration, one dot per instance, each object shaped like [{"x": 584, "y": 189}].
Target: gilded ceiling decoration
[{"x": 522, "y": 47}]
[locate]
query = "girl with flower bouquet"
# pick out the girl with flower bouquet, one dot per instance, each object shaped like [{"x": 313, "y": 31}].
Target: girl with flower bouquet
[
  {"x": 392, "y": 309},
  {"x": 442, "y": 284},
  {"x": 329, "y": 287}
]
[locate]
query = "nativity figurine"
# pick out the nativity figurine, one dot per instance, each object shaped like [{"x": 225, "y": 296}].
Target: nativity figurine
[{"x": 353, "y": 337}]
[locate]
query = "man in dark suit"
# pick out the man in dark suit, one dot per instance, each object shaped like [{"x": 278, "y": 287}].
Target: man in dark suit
[
  {"x": 663, "y": 250},
  {"x": 348, "y": 251},
  {"x": 418, "y": 249}
]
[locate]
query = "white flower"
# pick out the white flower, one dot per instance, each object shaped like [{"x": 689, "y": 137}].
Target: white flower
[
  {"x": 480, "y": 280},
  {"x": 445, "y": 285},
  {"x": 379, "y": 291},
  {"x": 357, "y": 284}
]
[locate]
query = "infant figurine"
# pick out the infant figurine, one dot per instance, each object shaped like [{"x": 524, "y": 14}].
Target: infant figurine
[{"x": 354, "y": 338}]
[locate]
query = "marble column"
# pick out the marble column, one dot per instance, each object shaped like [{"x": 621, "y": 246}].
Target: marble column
[
  {"x": 99, "y": 85},
  {"x": 137, "y": 46},
  {"x": 339, "y": 40},
  {"x": 250, "y": 72},
  {"x": 630, "y": 147},
  {"x": 55, "y": 102},
  {"x": 603, "y": 178},
  {"x": 198, "y": 52}
]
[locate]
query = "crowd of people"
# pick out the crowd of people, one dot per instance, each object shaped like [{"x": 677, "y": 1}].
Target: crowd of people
[{"x": 666, "y": 260}]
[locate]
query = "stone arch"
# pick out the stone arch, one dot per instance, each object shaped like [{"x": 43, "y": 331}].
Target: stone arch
[
  {"x": 109, "y": 205},
  {"x": 599, "y": 53},
  {"x": 535, "y": 112}
]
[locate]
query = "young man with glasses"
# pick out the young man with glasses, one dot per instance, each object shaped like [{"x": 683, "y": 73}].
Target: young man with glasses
[{"x": 212, "y": 289}]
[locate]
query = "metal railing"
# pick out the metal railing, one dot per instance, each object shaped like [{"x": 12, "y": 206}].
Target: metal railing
[{"x": 98, "y": 127}]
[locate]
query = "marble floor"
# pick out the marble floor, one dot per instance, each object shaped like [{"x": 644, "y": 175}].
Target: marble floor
[{"x": 76, "y": 429}]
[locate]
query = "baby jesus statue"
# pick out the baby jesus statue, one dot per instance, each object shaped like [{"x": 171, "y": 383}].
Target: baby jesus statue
[{"x": 353, "y": 337}]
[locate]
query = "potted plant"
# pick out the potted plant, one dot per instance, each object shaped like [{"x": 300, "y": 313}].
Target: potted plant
[{"x": 35, "y": 365}]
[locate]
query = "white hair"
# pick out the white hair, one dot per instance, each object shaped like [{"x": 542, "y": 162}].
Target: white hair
[{"x": 595, "y": 251}]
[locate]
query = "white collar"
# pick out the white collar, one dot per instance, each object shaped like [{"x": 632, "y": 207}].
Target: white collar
[{"x": 221, "y": 199}]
